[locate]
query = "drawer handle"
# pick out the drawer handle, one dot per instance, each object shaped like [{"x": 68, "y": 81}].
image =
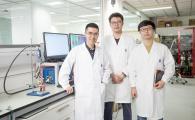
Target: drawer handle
[
  {"x": 62, "y": 108},
  {"x": 68, "y": 118}
]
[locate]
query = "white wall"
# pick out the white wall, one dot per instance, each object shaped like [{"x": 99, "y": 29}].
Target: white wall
[
  {"x": 21, "y": 25},
  {"x": 41, "y": 22},
  {"x": 108, "y": 9}
]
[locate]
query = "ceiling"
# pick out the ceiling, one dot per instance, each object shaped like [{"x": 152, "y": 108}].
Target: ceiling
[
  {"x": 68, "y": 10},
  {"x": 179, "y": 7},
  {"x": 74, "y": 9}
]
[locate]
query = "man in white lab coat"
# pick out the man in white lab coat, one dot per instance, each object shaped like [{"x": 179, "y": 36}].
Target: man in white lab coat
[
  {"x": 91, "y": 70},
  {"x": 118, "y": 46},
  {"x": 146, "y": 62}
]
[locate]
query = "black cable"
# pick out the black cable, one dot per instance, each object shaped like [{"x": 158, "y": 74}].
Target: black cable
[{"x": 5, "y": 78}]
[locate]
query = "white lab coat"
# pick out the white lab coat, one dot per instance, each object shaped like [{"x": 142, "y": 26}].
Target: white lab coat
[
  {"x": 118, "y": 56},
  {"x": 150, "y": 101},
  {"x": 89, "y": 75}
]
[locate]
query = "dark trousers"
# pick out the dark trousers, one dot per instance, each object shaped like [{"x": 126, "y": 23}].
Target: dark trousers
[
  {"x": 127, "y": 115},
  {"x": 144, "y": 118}
]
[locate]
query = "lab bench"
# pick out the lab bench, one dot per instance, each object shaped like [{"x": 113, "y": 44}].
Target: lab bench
[{"x": 55, "y": 106}]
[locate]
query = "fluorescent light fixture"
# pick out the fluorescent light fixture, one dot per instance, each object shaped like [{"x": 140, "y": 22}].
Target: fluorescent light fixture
[
  {"x": 125, "y": 11},
  {"x": 76, "y": 0},
  {"x": 92, "y": 15},
  {"x": 77, "y": 21},
  {"x": 130, "y": 16},
  {"x": 52, "y": 13},
  {"x": 55, "y": 3},
  {"x": 158, "y": 8},
  {"x": 132, "y": 24},
  {"x": 138, "y": 13},
  {"x": 96, "y": 8},
  {"x": 62, "y": 23},
  {"x": 17, "y": 8}
]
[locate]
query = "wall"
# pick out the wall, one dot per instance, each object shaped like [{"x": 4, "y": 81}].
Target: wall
[
  {"x": 41, "y": 22},
  {"x": 21, "y": 25},
  {"x": 108, "y": 9}
]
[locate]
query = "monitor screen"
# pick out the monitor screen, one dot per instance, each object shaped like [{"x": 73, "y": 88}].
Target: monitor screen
[
  {"x": 56, "y": 46},
  {"x": 76, "y": 39}
]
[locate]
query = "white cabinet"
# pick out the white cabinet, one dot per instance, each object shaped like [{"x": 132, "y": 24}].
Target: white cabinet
[
  {"x": 61, "y": 110},
  {"x": 68, "y": 117}
]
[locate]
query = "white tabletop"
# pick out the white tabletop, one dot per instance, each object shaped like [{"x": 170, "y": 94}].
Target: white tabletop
[{"x": 21, "y": 99}]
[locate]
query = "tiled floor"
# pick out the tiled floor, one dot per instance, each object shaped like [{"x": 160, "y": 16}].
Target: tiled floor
[{"x": 179, "y": 103}]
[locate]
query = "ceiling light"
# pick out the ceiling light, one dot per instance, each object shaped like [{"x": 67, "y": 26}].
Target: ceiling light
[
  {"x": 62, "y": 23},
  {"x": 130, "y": 16},
  {"x": 52, "y": 13},
  {"x": 55, "y": 3},
  {"x": 158, "y": 8},
  {"x": 76, "y": 0},
  {"x": 17, "y": 8},
  {"x": 125, "y": 11},
  {"x": 92, "y": 15},
  {"x": 132, "y": 24},
  {"x": 77, "y": 21},
  {"x": 96, "y": 8},
  {"x": 137, "y": 13}
]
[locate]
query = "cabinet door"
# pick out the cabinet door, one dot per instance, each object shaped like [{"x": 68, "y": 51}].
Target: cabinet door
[
  {"x": 8, "y": 117},
  {"x": 55, "y": 111},
  {"x": 68, "y": 117},
  {"x": 61, "y": 110}
]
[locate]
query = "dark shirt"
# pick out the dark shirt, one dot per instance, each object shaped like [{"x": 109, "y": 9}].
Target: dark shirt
[
  {"x": 91, "y": 51},
  {"x": 117, "y": 40}
]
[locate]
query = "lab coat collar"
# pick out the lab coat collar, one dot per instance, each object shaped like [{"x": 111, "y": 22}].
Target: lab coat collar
[
  {"x": 120, "y": 39},
  {"x": 152, "y": 48},
  {"x": 88, "y": 54},
  {"x": 88, "y": 47}
]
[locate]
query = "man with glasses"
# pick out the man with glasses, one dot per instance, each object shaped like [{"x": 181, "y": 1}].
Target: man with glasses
[
  {"x": 151, "y": 66},
  {"x": 118, "y": 46},
  {"x": 91, "y": 71}
]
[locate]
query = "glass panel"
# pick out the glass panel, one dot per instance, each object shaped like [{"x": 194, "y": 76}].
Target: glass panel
[
  {"x": 182, "y": 54},
  {"x": 15, "y": 22},
  {"x": 63, "y": 16}
]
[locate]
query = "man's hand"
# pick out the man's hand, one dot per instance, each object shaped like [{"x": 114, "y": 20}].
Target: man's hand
[
  {"x": 69, "y": 89},
  {"x": 133, "y": 92},
  {"x": 160, "y": 84},
  {"x": 117, "y": 78}
]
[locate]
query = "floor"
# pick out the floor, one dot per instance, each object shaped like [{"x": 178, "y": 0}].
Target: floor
[{"x": 179, "y": 102}]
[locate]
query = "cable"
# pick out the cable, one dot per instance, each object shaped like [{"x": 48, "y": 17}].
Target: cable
[{"x": 5, "y": 78}]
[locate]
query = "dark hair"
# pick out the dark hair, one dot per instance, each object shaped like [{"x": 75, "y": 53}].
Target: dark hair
[
  {"x": 93, "y": 25},
  {"x": 116, "y": 14},
  {"x": 145, "y": 23}
]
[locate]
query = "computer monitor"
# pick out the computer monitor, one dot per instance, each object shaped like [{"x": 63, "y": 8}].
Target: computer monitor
[
  {"x": 76, "y": 39},
  {"x": 56, "y": 46}
]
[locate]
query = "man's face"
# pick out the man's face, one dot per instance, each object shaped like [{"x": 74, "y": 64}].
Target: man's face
[
  {"x": 92, "y": 35},
  {"x": 147, "y": 32},
  {"x": 116, "y": 24}
]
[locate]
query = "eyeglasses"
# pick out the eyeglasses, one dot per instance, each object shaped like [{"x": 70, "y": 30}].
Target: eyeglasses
[
  {"x": 144, "y": 29},
  {"x": 92, "y": 34},
  {"x": 115, "y": 22}
]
